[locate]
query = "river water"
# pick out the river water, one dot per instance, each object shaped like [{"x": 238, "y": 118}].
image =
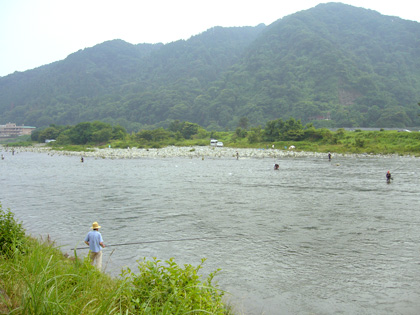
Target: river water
[{"x": 315, "y": 237}]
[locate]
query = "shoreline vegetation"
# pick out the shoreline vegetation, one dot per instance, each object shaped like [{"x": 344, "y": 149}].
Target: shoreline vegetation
[
  {"x": 184, "y": 139},
  {"x": 36, "y": 278}
]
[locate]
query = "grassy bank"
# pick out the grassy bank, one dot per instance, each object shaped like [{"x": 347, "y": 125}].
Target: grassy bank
[
  {"x": 311, "y": 140},
  {"x": 35, "y": 278},
  {"x": 341, "y": 141},
  {"x": 315, "y": 140}
]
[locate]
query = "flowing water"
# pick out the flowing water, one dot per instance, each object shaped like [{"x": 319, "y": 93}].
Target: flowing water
[{"x": 314, "y": 237}]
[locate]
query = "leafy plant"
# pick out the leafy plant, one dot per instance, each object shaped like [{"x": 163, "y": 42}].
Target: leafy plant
[
  {"x": 12, "y": 234},
  {"x": 170, "y": 289}
]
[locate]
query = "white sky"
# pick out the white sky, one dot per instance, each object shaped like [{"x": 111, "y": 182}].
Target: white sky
[{"x": 37, "y": 32}]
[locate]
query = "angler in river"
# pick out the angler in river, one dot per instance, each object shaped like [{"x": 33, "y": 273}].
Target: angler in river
[
  {"x": 388, "y": 177},
  {"x": 94, "y": 240}
]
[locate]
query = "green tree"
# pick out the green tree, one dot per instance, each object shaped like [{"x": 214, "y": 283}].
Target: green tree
[
  {"x": 243, "y": 123},
  {"x": 35, "y": 135},
  {"x": 81, "y": 133},
  {"x": 255, "y": 135},
  {"x": 240, "y": 133},
  {"x": 158, "y": 134},
  {"x": 189, "y": 129},
  {"x": 145, "y": 135},
  {"x": 175, "y": 126},
  {"x": 273, "y": 130},
  {"x": 102, "y": 135},
  {"x": 48, "y": 133},
  {"x": 118, "y": 133},
  {"x": 293, "y": 130}
]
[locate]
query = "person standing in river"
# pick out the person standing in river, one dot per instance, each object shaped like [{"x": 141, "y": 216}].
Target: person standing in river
[
  {"x": 388, "y": 177},
  {"x": 94, "y": 240}
]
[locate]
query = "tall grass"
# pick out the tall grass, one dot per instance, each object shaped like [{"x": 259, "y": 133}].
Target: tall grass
[
  {"x": 43, "y": 281},
  {"x": 38, "y": 279}
]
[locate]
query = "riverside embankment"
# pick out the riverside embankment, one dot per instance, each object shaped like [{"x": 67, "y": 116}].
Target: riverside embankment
[{"x": 201, "y": 152}]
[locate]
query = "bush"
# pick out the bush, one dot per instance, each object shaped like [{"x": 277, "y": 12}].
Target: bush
[
  {"x": 360, "y": 143},
  {"x": 12, "y": 234},
  {"x": 160, "y": 289}
]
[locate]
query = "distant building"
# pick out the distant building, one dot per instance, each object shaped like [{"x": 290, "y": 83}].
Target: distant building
[{"x": 10, "y": 130}]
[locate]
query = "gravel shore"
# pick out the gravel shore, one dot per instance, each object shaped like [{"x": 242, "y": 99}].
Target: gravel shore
[{"x": 201, "y": 152}]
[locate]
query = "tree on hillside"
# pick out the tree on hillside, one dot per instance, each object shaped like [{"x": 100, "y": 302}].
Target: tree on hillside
[
  {"x": 118, "y": 133},
  {"x": 81, "y": 133},
  {"x": 158, "y": 134},
  {"x": 243, "y": 123},
  {"x": 185, "y": 128},
  {"x": 276, "y": 130}
]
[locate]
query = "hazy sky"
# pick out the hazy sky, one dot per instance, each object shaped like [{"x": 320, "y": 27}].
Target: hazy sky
[{"x": 37, "y": 32}]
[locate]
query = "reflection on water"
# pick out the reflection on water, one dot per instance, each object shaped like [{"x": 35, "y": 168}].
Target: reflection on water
[{"x": 315, "y": 237}]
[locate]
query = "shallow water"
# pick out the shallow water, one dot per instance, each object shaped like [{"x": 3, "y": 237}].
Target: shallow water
[{"x": 315, "y": 237}]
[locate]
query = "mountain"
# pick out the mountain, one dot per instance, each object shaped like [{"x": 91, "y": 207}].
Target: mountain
[
  {"x": 352, "y": 65},
  {"x": 334, "y": 65}
]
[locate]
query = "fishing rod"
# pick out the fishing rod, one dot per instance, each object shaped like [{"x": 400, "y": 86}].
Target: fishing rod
[
  {"x": 159, "y": 241},
  {"x": 401, "y": 165}
]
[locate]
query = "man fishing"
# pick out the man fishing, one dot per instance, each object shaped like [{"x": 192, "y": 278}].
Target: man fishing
[
  {"x": 388, "y": 177},
  {"x": 94, "y": 240}
]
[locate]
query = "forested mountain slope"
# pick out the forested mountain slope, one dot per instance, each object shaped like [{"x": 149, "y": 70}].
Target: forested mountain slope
[
  {"x": 351, "y": 65},
  {"x": 334, "y": 65}
]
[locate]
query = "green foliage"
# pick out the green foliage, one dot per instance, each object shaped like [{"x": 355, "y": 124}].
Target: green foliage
[
  {"x": 359, "y": 142},
  {"x": 74, "y": 148},
  {"x": 48, "y": 133},
  {"x": 243, "y": 123},
  {"x": 11, "y": 233},
  {"x": 43, "y": 281},
  {"x": 276, "y": 130},
  {"x": 95, "y": 132},
  {"x": 118, "y": 133},
  {"x": 81, "y": 133},
  {"x": 170, "y": 289},
  {"x": 51, "y": 132},
  {"x": 241, "y": 133},
  {"x": 185, "y": 128},
  {"x": 22, "y": 141},
  {"x": 155, "y": 135},
  {"x": 255, "y": 135}
]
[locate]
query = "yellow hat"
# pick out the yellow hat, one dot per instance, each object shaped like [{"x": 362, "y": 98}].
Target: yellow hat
[{"x": 95, "y": 225}]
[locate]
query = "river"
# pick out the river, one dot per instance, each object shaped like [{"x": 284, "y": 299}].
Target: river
[{"x": 314, "y": 237}]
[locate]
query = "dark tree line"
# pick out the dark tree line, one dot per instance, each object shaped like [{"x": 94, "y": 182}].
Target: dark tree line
[{"x": 101, "y": 133}]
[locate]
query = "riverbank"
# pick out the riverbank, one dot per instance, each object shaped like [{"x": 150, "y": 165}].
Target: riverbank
[
  {"x": 199, "y": 152},
  {"x": 36, "y": 278}
]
